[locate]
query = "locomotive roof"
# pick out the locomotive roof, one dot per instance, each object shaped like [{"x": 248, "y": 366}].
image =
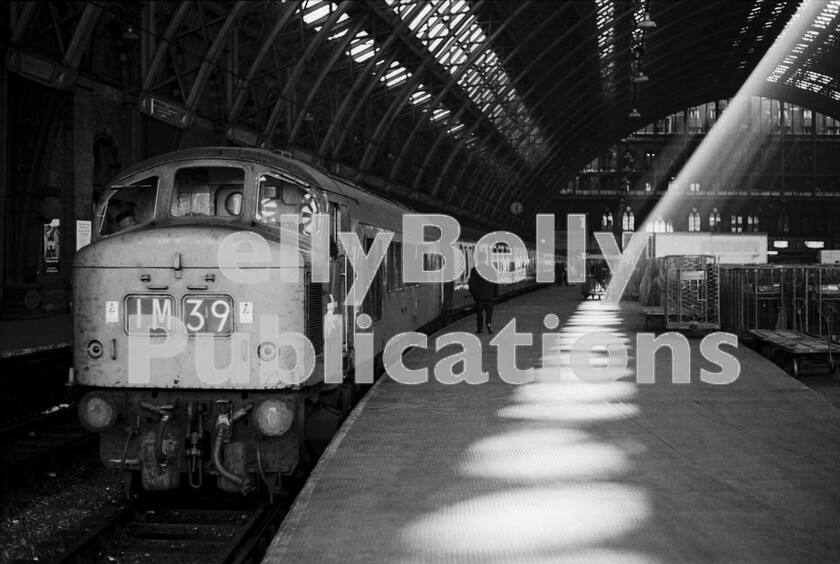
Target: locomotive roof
[{"x": 306, "y": 171}]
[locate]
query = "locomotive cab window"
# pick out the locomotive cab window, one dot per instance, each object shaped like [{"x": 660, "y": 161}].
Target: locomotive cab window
[
  {"x": 129, "y": 205},
  {"x": 278, "y": 197},
  {"x": 208, "y": 191}
]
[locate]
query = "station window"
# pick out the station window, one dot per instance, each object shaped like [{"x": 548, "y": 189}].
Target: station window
[
  {"x": 129, "y": 205},
  {"x": 628, "y": 220},
  {"x": 607, "y": 221},
  {"x": 694, "y": 124},
  {"x": 808, "y": 224},
  {"x": 714, "y": 220},
  {"x": 658, "y": 226},
  {"x": 694, "y": 220},
  {"x": 628, "y": 162},
  {"x": 208, "y": 191},
  {"x": 784, "y": 222}
]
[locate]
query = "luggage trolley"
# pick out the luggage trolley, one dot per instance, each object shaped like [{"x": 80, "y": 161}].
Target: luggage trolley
[
  {"x": 692, "y": 293},
  {"x": 790, "y": 349},
  {"x": 764, "y": 305},
  {"x": 823, "y": 293}
]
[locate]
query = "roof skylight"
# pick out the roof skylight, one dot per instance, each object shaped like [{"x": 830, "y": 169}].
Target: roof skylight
[
  {"x": 452, "y": 35},
  {"x": 604, "y": 20},
  {"x": 799, "y": 68}
]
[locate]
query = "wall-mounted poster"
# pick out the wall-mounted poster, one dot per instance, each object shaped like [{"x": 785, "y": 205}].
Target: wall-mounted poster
[
  {"x": 51, "y": 246},
  {"x": 82, "y": 233}
]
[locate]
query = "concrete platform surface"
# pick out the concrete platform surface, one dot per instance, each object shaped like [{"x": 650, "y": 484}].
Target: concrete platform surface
[{"x": 565, "y": 471}]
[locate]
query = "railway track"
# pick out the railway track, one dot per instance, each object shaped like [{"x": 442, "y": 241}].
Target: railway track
[
  {"x": 182, "y": 529},
  {"x": 41, "y": 439},
  {"x": 33, "y": 379}
]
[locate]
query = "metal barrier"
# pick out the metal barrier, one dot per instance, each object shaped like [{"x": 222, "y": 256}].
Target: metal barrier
[
  {"x": 781, "y": 297},
  {"x": 692, "y": 292}
]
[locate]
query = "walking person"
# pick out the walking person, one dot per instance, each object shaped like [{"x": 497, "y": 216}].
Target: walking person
[
  {"x": 483, "y": 292},
  {"x": 562, "y": 278}
]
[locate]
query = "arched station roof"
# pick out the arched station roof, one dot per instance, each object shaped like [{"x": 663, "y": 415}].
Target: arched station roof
[{"x": 460, "y": 107}]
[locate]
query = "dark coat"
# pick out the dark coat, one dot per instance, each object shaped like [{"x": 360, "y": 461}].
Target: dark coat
[{"x": 480, "y": 288}]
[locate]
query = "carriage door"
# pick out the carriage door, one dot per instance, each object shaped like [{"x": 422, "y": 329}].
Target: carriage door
[{"x": 340, "y": 273}]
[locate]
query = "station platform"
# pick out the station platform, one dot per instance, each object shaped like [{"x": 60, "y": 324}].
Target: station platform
[
  {"x": 565, "y": 471},
  {"x": 25, "y": 336}
]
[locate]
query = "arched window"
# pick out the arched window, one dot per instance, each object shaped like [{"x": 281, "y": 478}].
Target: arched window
[
  {"x": 607, "y": 221},
  {"x": 628, "y": 220},
  {"x": 669, "y": 227},
  {"x": 694, "y": 220},
  {"x": 784, "y": 222},
  {"x": 659, "y": 225},
  {"x": 737, "y": 225},
  {"x": 714, "y": 220},
  {"x": 752, "y": 222},
  {"x": 807, "y": 224}
]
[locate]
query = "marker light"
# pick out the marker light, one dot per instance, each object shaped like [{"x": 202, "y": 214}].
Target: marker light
[
  {"x": 267, "y": 351},
  {"x": 97, "y": 412},
  {"x": 272, "y": 417},
  {"x": 95, "y": 349}
]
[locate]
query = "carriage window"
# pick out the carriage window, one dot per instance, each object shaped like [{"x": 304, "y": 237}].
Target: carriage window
[
  {"x": 129, "y": 205},
  {"x": 395, "y": 271},
  {"x": 372, "y": 303},
  {"x": 280, "y": 197},
  {"x": 208, "y": 191}
]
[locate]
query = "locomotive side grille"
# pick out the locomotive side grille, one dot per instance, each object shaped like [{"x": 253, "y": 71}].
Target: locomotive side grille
[{"x": 315, "y": 313}]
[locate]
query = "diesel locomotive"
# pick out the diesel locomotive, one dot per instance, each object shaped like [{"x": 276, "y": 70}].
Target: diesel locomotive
[{"x": 153, "y": 303}]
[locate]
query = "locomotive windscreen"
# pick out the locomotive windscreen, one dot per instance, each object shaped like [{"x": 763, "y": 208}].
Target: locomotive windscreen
[
  {"x": 129, "y": 205},
  {"x": 207, "y": 191}
]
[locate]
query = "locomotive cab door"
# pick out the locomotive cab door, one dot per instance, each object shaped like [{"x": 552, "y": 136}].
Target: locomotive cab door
[{"x": 340, "y": 278}]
